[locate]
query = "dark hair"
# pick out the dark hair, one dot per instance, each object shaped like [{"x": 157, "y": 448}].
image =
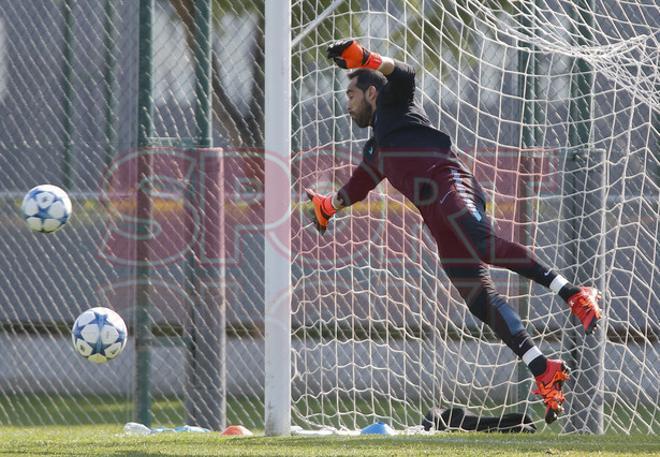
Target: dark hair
[{"x": 366, "y": 77}]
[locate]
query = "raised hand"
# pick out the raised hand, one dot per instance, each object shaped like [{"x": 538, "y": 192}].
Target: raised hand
[{"x": 349, "y": 54}]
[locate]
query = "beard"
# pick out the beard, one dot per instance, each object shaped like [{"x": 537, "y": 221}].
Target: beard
[{"x": 363, "y": 117}]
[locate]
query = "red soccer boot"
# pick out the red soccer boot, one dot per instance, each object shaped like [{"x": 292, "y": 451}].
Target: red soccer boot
[{"x": 549, "y": 387}]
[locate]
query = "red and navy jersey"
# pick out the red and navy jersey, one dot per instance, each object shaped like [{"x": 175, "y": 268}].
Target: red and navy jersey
[{"x": 404, "y": 148}]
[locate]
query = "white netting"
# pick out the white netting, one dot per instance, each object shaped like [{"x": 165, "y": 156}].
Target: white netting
[{"x": 554, "y": 107}]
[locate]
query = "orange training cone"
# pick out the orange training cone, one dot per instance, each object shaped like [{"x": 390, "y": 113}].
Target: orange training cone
[{"x": 236, "y": 430}]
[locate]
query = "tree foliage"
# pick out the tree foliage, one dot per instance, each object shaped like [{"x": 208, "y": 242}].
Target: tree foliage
[{"x": 430, "y": 29}]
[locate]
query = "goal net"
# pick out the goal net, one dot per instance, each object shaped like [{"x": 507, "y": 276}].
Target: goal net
[{"x": 553, "y": 105}]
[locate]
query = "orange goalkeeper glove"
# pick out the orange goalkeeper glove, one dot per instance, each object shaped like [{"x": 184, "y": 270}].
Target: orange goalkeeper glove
[
  {"x": 349, "y": 54},
  {"x": 321, "y": 211}
]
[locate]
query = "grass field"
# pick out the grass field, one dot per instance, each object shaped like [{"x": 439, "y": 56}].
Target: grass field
[
  {"x": 62, "y": 435},
  {"x": 109, "y": 441}
]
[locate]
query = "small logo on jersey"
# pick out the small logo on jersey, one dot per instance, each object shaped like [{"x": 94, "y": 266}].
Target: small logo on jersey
[
  {"x": 368, "y": 151},
  {"x": 547, "y": 273}
]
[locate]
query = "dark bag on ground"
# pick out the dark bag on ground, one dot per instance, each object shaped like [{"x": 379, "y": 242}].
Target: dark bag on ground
[{"x": 461, "y": 419}]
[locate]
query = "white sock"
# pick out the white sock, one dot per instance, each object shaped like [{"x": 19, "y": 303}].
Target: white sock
[
  {"x": 531, "y": 354},
  {"x": 557, "y": 283}
]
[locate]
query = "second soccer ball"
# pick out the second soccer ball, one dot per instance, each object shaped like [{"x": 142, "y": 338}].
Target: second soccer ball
[{"x": 99, "y": 334}]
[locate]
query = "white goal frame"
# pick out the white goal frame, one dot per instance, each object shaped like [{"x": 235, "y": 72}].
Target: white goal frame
[{"x": 277, "y": 284}]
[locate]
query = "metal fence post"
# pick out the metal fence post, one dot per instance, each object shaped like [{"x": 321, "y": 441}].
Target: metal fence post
[
  {"x": 143, "y": 335},
  {"x": 206, "y": 393}
]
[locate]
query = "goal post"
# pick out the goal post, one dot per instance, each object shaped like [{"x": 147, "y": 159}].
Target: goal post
[{"x": 277, "y": 199}]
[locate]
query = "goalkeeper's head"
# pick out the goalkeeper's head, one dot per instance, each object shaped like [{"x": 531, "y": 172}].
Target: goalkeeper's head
[{"x": 362, "y": 92}]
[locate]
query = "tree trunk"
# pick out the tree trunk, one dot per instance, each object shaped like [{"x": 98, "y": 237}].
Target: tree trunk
[
  {"x": 233, "y": 126},
  {"x": 256, "y": 116}
]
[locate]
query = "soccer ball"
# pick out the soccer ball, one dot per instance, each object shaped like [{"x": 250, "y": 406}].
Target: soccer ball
[
  {"x": 99, "y": 334},
  {"x": 46, "y": 208}
]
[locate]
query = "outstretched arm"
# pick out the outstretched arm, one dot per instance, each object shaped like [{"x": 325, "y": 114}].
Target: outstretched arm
[
  {"x": 361, "y": 182},
  {"x": 364, "y": 178},
  {"x": 350, "y": 54}
]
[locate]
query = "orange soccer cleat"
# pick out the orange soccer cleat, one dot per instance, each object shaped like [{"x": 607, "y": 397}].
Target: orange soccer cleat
[
  {"x": 584, "y": 305},
  {"x": 549, "y": 387}
]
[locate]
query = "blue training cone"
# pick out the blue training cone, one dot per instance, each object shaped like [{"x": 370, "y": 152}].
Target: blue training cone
[{"x": 377, "y": 428}]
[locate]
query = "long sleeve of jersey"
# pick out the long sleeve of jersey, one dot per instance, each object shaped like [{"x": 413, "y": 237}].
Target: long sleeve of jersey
[
  {"x": 400, "y": 87},
  {"x": 364, "y": 178}
]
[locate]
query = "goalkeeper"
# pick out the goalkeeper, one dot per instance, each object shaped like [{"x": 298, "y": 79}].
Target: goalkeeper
[{"x": 420, "y": 162}]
